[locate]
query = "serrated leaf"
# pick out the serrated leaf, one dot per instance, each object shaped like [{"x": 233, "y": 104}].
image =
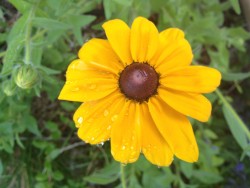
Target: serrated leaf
[
  {"x": 15, "y": 43},
  {"x": 48, "y": 70},
  {"x": 236, "y": 6},
  {"x": 77, "y": 22},
  {"x": 108, "y": 8},
  {"x": 20, "y": 5},
  {"x": 235, "y": 76},
  {"x": 187, "y": 169},
  {"x": 236, "y": 125},
  {"x": 104, "y": 176},
  {"x": 49, "y": 23},
  {"x": 207, "y": 177}
]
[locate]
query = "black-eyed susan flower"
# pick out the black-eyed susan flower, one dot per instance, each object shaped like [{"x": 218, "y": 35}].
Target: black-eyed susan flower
[{"x": 137, "y": 89}]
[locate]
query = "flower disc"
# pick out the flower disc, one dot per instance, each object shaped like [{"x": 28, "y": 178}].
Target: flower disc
[{"x": 139, "y": 81}]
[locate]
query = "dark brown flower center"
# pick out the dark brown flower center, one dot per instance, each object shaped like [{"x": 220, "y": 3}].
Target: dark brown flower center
[{"x": 139, "y": 81}]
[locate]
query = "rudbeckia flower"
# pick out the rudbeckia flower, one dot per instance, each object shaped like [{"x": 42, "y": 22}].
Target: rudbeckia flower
[{"x": 138, "y": 90}]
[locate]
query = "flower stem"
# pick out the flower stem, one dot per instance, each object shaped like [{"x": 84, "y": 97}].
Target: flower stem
[
  {"x": 123, "y": 179},
  {"x": 27, "y": 58}
]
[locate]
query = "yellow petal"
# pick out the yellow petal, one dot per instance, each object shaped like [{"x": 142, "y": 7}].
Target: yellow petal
[
  {"x": 99, "y": 53},
  {"x": 198, "y": 79},
  {"x": 175, "y": 128},
  {"x": 125, "y": 135},
  {"x": 154, "y": 146},
  {"x": 172, "y": 34},
  {"x": 144, "y": 40},
  {"x": 174, "y": 51},
  {"x": 79, "y": 69},
  {"x": 85, "y": 83},
  {"x": 94, "y": 119},
  {"x": 118, "y": 34},
  {"x": 190, "y": 104}
]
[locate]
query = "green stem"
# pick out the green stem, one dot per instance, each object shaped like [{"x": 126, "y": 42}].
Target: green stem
[
  {"x": 226, "y": 103},
  {"x": 27, "y": 58},
  {"x": 123, "y": 179}
]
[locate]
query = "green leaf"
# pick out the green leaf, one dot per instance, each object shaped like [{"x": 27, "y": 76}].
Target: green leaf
[
  {"x": 235, "y": 76},
  {"x": 1, "y": 167},
  {"x": 108, "y": 174},
  {"x": 52, "y": 56},
  {"x": 236, "y": 125},
  {"x": 54, "y": 154},
  {"x": 3, "y": 37},
  {"x": 32, "y": 125},
  {"x": 49, "y": 23},
  {"x": 77, "y": 22},
  {"x": 57, "y": 175},
  {"x": 210, "y": 134},
  {"x": 48, "y": 70},
  {"x": 108, "y": 8},
  {"x": 19, "y": 141},
  {"x": 207, "y": 177},
  {"x": 15, "y": 42},
  {"x": 187, "y": 169},
  {"x": 20, "y": 5},
  {"x": 236, "y": 6},
  {"x": 1, "y": 14}
]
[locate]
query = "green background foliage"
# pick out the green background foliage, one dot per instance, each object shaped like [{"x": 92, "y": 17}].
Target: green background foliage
[{"x": 38, "y": 142}]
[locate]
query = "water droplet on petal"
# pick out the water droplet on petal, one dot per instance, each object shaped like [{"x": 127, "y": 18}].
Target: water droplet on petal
[
  {"x": 75, "y": 89},
  {"x": 114, "y": 118},
  {"x": 92, "y": 86},
  {"x": 80, "y": 120},
  {"x": 93, "y": 138},
  {"x": 123, "y": 147},
  {"x": 106, "y": 113},
  {"x": 109, "y": 127},
  {"x": 100, "y": 144},
  {"x": 158, "y": 166}
]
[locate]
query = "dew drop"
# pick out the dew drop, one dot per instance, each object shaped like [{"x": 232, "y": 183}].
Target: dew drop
[
  {"x": 93, "y": 138},
  {"x": 80, "y": 120},
  {"x": 114, "y": 118},
  {"x": 75, "y": 89},
  {"x": 106, "y": 113},
  {"x": 100, "y": 144},
  {"x": 92, "y": 86},
  {"x": 158, "y": 166},
  {"x": 123, "y": 147},
  {"x": 109, "y": 127}
]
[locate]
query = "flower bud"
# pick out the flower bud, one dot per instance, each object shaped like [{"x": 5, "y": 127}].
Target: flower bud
[
  {"x": 9, "y": 87},
  {"x": 26, "y": 76}
]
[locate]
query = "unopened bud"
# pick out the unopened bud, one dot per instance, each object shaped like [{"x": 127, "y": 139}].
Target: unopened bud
[
  {"x": 9, "y": 87},
  {"x": 26, "y": 76}
]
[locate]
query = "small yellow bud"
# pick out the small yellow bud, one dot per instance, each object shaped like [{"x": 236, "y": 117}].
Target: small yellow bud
[{"x": 26, "y": 76}]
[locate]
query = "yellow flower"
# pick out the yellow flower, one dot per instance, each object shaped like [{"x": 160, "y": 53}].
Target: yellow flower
[{"x": 138, "y": 88}]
